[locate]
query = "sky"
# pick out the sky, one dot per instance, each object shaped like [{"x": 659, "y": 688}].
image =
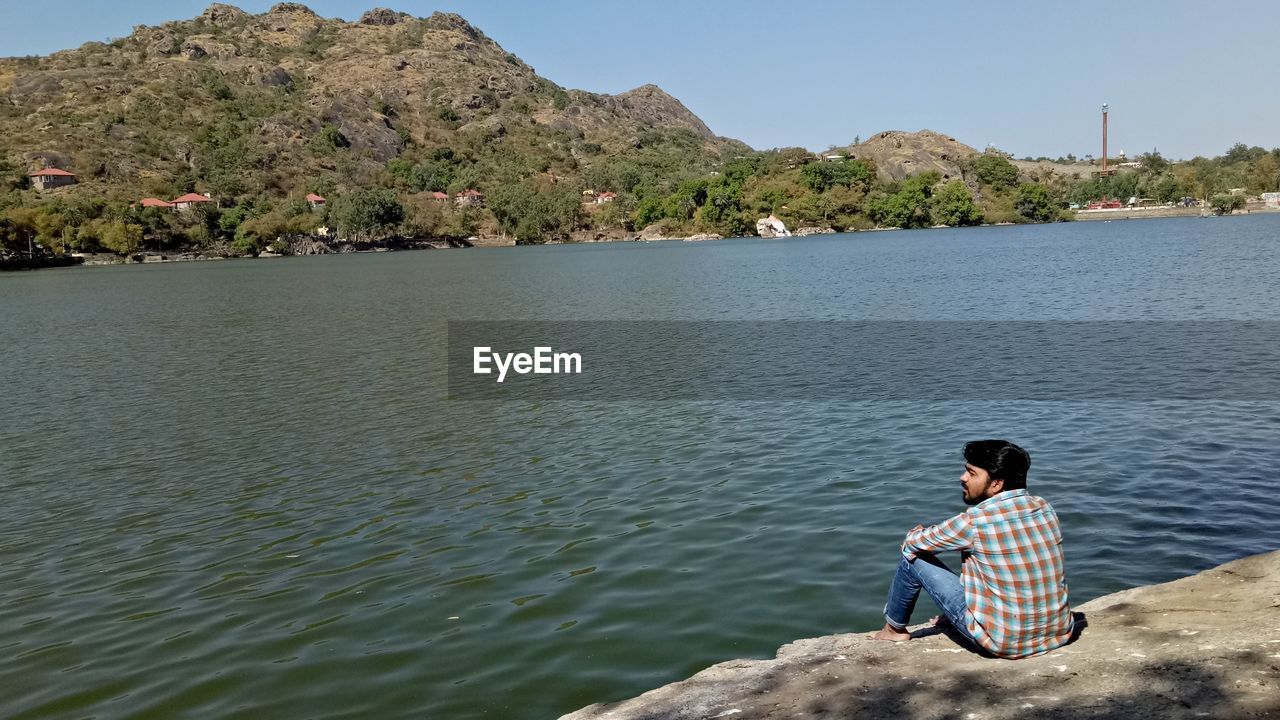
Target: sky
[{"x": 1029, "y": 78}]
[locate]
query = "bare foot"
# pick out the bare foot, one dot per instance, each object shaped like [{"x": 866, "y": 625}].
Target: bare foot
[{"x": 892, "y": 634}]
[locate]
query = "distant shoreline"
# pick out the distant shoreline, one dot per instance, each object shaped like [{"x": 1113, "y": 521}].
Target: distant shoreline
[
  {"x": 153, "y": 258},
  {"x": 1164, "y": 211}
]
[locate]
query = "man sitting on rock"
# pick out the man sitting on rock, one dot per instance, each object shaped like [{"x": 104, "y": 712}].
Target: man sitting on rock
[{"x": 1010, "y": 598}]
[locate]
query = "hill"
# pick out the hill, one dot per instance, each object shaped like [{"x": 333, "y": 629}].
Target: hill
[{"x": 287, "y": 102}]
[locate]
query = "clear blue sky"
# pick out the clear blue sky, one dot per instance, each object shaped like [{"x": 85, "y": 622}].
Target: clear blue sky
[{"x": 1186, "y": 78}]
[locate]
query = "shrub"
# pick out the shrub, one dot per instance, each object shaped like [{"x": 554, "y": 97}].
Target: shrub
[{"x": 1226, "y": 204}]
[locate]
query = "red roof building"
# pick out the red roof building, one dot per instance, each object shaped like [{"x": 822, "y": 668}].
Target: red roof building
[
  {"x": 190, "y": 200},
  {"x": 469, "y": 198},
  {"x": 439, "y": 196},
  {"x": 314, "y": 200},
  {"x": 51, "y": 178},
  {"x": 156, "y": 203}
]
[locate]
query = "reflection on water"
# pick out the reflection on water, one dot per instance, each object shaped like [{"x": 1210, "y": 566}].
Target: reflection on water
[{"x": 235, "y": 489}]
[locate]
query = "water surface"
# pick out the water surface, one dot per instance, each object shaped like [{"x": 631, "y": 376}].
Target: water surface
[{"x": 234, "y": 489}]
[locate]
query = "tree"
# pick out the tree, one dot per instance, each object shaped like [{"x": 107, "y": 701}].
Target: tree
[
  {"x": 822, "y": 176},
  {"x": 723, "y": 209},
  {"x": 1242, "y": 153},
  {"x": 1265, "y": 175},
  {"x": 685, "y": 201},
  {"x": 122, "y": 238},
  {"x": 953, "y": 205},
  {"x": 909, "y": 206},
  {"x": 1166, "y": 188},
  {"x": 254, "y": 234},
  {"x": 994, "y": 170},
  {"x": 368, "y": 212},
  {"x": 1035, "y": 204},
  {"x": 430, "y": 175},
  {"x": 20, "y": 228},
  {"x": 1153, "y": 162},
  {"x": 648, "y": 212},
  {"x": 1226, "y": 204},
  {"x": 532, "y": 215}
]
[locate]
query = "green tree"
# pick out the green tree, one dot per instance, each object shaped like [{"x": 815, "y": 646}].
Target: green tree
[
  {"x": 1166, "y": 188},
  {"x": 1240, "y": 153},
  {"x": 953, "y": 205},
  {"x": 685, "y": 201},
  {"x": 1265, "y": 174},
  {"x": 909, "y": 206},
  {"x": 995, "y": 170},
  {"x": 723, "y": 209},
  {"x": 430, "y": 175},
  {"x": 1225, "y": 204},
  {"x": 649, "y": 211},
  {"x": 822, "y": 176},
  {"x": 368, "y": 213},
  {"x": 121, "y": 238},
  {"x": 1153, "y": 162},
  {"x": 534, "y": 216},
  {"x": 1034, "y": 203},
  {"x": 328, "y": 139},
  {"x": 255, "y": 234}
]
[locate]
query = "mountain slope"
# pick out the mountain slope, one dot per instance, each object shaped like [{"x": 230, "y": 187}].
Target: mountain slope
[{"x": 277, "y": 103}]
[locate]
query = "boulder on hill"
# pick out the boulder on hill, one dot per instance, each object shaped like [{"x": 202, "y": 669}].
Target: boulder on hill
[
  {"x": 898, "y": 154},
  {"x": 220, "y": 14},
  {"x": 382, "y": 16},
  {"x": 289, "y": 8}
]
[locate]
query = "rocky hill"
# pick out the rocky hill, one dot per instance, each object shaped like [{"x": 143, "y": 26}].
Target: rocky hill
[
  {"x": 898, "y": 155},
  {"x": 287, "y": 101}
]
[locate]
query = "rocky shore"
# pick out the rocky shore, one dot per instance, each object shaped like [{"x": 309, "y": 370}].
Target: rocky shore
[{"x": 1205, "y": 646}]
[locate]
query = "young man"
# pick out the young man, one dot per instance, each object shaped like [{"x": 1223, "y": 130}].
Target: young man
[{"x": 1010, "y": 598}]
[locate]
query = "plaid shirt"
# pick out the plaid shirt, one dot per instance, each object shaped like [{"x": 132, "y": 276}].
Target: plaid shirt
[{"x": 1014, "y": 583}]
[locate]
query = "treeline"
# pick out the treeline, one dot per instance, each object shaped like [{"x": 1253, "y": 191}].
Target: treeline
[
  {"x": 843, "y": 194},
  {"x": 527, "y": 200},
  {"x": 1251, "y": 170},
  {"x": 534, "y": 206}
]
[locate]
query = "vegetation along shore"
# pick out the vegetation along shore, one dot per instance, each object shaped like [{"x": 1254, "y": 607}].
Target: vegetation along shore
[{"x": 234, "y": 134}]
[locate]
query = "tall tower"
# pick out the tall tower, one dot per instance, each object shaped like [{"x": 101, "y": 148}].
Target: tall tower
[
  {"x": 1105, "y": 107},
  {"x": 1104, "y": 172}
]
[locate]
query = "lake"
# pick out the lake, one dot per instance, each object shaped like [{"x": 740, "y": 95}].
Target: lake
[{"x": 237, "y": 489}]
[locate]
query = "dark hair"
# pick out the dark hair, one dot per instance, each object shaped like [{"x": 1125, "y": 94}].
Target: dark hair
[{"x": 1001, "y": 459}]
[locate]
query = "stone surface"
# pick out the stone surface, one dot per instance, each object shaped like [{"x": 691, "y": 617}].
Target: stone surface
[
  {"x": 1205, "y": 646},
  {"x": 899, "y": 154}
]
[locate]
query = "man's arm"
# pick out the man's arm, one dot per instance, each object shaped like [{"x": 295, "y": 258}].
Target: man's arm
[{"x": 954, "y": 534}]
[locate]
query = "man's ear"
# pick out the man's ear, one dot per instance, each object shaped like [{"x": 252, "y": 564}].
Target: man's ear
[{"x": 995, "y": 487}]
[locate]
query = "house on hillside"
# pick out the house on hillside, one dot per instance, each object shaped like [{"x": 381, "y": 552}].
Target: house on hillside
[
  {"x": 190, "y": 200},
  {"x": 440, "y": 197},
  {"x": 50, "y": 178},
  {"x": 605, "y": 197},
  {"x": 155, "y": 203},
  {"x": 469, "y": 198},
  {"x": 315, "y": 201}
]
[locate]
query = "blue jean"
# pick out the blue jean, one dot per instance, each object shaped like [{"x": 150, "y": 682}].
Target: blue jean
[{"x": 929, "y": 573}]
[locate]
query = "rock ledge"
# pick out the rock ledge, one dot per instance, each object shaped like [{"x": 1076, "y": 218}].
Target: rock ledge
[{"x": 1205, "y": 646}]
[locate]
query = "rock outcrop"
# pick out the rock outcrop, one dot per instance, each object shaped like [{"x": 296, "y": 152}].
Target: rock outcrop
[
  {"x": 899, "y": 154},
  {"x": 1205, "y": 646}
]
